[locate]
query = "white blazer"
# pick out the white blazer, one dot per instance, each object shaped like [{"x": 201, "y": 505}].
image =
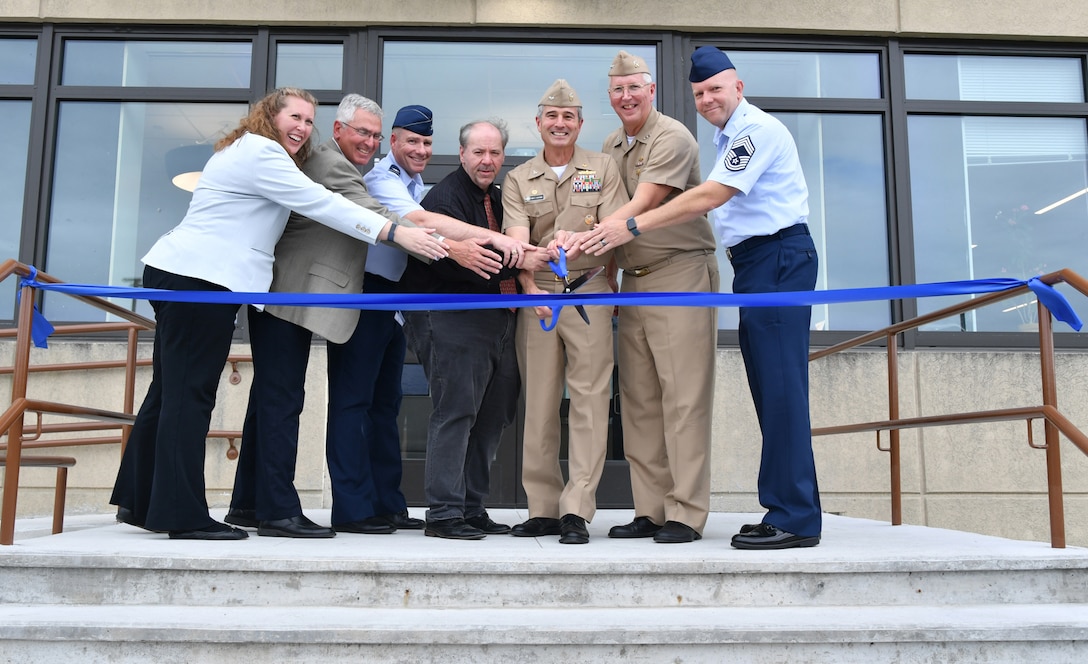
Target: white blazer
[{"x": 239, "y": 210}]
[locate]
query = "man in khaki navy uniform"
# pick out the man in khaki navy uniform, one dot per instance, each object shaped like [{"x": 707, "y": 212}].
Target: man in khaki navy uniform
[
  {"x": 666, "y": 354},
  {"x": 567, "y": 188}
]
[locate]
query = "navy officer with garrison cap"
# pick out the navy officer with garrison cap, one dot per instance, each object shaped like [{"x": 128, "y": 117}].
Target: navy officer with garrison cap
[{"x": 757, "y": 199}]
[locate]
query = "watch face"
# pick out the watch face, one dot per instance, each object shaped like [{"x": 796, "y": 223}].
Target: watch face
[{"x": 632, "y": 226}]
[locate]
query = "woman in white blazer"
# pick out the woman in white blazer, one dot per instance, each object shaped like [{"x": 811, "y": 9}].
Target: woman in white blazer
[{"x": 225, "y": 242}]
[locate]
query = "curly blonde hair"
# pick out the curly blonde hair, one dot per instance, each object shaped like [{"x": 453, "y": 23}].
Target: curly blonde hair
[{"x": 261, "y": 120}]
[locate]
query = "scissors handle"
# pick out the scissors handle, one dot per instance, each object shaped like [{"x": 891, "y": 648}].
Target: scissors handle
[
  {"x": 548, "y": 327},
  {"x": 560, "y": 267}
]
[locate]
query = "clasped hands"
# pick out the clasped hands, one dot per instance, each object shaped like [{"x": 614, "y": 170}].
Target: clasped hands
[{"x": 605, "y": 236}]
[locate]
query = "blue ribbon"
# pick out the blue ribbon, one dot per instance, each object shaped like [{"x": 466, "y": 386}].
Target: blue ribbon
[
  {"x": 40, "y": 327},
  {"x": 1054, "y": 300}
]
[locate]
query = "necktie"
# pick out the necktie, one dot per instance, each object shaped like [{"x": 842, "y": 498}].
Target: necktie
[{"x": 506, "y": 286}]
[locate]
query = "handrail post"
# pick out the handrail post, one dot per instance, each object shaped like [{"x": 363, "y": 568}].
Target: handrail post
[
  {"x": 130, "y": 383},
  {"x": 1053, "y": 453},
  {"x": 20, "y": 372},
  {"x": 895, "y": 467}
]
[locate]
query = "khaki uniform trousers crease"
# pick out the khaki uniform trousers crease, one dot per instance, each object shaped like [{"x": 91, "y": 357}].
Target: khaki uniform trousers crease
[
  {"x": 579, "y": 356},
  {"x": 666, "y": 381}
]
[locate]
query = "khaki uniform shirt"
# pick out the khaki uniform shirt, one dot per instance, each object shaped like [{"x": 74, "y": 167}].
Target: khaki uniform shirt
[
  {"x": 589, "y": 189},
  {"x": 664, "y": 152}
]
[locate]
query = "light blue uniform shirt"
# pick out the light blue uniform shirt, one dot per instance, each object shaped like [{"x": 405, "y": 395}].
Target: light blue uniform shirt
[
  {"x": 757, "y": 156},
  {"x": 396, "y": 190}
]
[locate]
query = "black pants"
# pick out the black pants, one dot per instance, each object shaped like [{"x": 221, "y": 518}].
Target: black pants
[{"x": 161, "y": 478}]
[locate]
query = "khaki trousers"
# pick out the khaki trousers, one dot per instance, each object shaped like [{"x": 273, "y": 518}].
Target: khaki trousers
[
  {"x": 666, "y": 379},
  {"x": 580, "y": 357}
]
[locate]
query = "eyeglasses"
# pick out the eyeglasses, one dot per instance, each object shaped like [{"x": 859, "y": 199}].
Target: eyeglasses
[
  {"x": 632, "y": 89},
  {"x": 365, "y": 134}
]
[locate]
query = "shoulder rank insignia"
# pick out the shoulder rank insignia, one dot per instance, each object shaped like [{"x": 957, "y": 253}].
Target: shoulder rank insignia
[
  {"x": 740, "y": 153},
  {"x": 393, "y": 168}
]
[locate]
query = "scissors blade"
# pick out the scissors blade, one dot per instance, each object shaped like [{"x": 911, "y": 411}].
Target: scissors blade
[
  {"x": 581, "y": 281},
  {"x": 582, "y": 312}
]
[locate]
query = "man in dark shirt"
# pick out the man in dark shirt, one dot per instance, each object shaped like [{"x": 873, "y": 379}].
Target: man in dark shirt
[{"x": 468, "y": 356}]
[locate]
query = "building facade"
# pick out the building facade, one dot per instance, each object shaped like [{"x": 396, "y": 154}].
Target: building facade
[{"x": 941, "y": 141}]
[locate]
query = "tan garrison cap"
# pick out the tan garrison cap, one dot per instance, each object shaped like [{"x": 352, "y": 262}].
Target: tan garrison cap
[
  {"x": 626, "y": 64},
  {"x": 560, "y": 94}
]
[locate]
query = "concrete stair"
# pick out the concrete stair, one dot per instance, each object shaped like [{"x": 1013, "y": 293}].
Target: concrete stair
[{"x": 869, "y": 593}]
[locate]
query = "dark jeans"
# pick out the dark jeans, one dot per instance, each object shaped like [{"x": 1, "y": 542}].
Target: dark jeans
[
  {"x": 161, "y": 478},
  {"x": 471, "y": 365},
  {"x": 774, "y": 343}
]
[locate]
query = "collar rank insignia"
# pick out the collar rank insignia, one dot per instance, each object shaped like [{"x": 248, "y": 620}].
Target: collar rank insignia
[{"x": 740, "y": 153}]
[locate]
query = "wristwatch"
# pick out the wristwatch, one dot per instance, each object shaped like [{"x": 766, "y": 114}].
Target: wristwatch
[{"x": 633, "y": 227}]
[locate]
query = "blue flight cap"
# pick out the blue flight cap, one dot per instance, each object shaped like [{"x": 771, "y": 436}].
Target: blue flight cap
[
  {"x": 707, "y": 61},
  {"x": 415, "y": 118}
]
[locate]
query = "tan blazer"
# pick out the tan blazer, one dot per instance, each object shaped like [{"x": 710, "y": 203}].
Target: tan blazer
[{"x": 311, "y": 258}]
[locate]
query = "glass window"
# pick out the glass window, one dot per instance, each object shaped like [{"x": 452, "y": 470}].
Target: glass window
[
  {"x": 994, "y": 78},
  {"x": 157, "y": 64},
  {"x": 461, "y": 82},
  {"x": 842, "y": 156},
  {"x": 310, "y": 66},
  {"x": 794, "y": 74},
  {"x": 112, "y": 192},
  {"x": 13, "y": 161},
  {"x": 997, "y": 197},
  {"x": 17, "y": 58}
]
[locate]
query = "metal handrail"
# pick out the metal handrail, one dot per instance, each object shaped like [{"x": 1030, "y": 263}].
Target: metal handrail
[
  {"x": 1054, "y": 422},
  {"x": 13, "y": 420}
]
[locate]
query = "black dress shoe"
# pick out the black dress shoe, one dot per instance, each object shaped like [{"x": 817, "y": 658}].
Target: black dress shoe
[
  {"x": 674, "y": 532},
  {"x": 765, "y": 536},
  {"x": 243, "y": 518},
  {"x": 640, "y": 527},
  {"x": 484, "y": 523},
  {"x": 572, "y": 530},
  {"x": 295, "y": 526},
  {"x": 216, "y": 531},
  {"x": 401, "y": 521},
  {"x": 453, "y": 529},
  {"x": 538, "y": 526},
  {"x": 375, "y": 525},
  {"x": 126, "y": 516}
]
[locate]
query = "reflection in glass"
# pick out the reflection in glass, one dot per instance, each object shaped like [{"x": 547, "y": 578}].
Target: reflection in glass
[
  {"x": 157, "y": 64},
  {"x": 310, "y": 66},
  {"x": 112, "y": 196},
  {"x": 12, "y": 161},
  {"x": 17, "y": 60},
  {"x": 461, "y": 82},
  {"x": 800, "y": 74},
  {"x": 994, "y": 78},
  {"x": 983, "y": 191},
  {"x": 842, "y": 157}
]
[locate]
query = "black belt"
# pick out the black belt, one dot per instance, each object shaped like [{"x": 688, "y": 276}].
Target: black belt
[{"x": 753, "y": 242}]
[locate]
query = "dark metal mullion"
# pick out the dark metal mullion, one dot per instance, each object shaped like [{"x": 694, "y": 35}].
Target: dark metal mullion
[
  {"x": 902, "y": 226},
  {"x": 29, "y": 241}
]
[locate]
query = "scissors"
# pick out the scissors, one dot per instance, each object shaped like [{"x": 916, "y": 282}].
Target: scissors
[{"x": 560, "y": 269}]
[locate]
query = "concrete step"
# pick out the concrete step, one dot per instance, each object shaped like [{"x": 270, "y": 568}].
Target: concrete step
[
  {"x": 104, "y": 592},
  {"x": 859, "y": 563},
  {"x": 1053, "y": 633}
]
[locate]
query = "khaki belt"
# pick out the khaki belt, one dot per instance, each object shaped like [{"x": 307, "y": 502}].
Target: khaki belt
[{"x": 657, "y": 265}]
